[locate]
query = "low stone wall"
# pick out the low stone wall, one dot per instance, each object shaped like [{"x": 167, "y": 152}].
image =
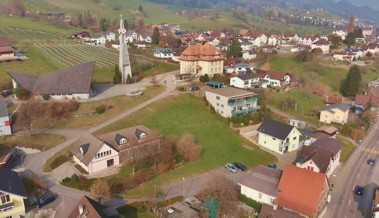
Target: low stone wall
[{"x": 249, "y": 128}]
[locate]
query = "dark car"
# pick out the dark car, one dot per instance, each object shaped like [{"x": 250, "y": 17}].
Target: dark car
[
  {"x": 194, "y": 88},
  {"x": 358, "y": 190},
  {"x": 272, "y": 165},
  {"x": 45, "y": 199},
  {"x": 240, "y": 166},
  {"x": 371, "y": 162}
]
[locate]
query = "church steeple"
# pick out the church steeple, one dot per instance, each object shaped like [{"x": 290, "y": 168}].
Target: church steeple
[{"x": 124, "y": 63}]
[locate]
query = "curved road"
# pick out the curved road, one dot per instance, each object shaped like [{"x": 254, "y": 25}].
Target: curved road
[{"x": 344, "y": 202}]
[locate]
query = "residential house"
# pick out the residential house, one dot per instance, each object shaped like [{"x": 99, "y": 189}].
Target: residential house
[
  {"x": 244, "y": 33},
  {"x": 242, "y": 68},
  {"x": 275, "y": 78},
  {"x": 84, "y": 35},
  {"x": 163, "y": 53},
  {"x": 255, "y": 41},
  {"x": 142, "y": 45},
  {"x": 303, "y": 191},
  {"x": 367, "y": 31},
  {"x": 343, "y": 56},
  {"x": 133, "y": 143},
  {"x": 179, "y": 210},
  {"x": 307, "y": 40},
  {"x": 200, "y": 59},
  {"x": 5, "y": 125},
  {"x": 12, "y": 195},
  {"x": 89, "y": 208},
  {"x": 232, "y": 101},
  {"x": 93, "y": 155},
  {"x": 291, "y": 37},
  {"x": 109, "y": 36},
  {"x": 268, "y": 211},
  {"x": 333, "y": 99},
  {"x": 6, "y": 50},
  {"x": 7, "y": 155},
  {"x": 249, "y": 80},
  {"x": 323, "y": 132},
  {"x": 99, "y": 40},
  {"x": 322, "y": 156},
  {"x": 375, "y": 204},
  {"x": 335, "y": 113},
  {"x": 323, "y": 45},
  {"x": 245, "y": 45},
  {"x": 357, "y": 52},
  {"x": 249, "y": 55},
  {"x": 340, "y": 33},
  {"x": 261, "y": 184},
  {"x": 70, "y": 83},
  {"x": 131, "y": 36},
  {"x": 278, "y": 137}
]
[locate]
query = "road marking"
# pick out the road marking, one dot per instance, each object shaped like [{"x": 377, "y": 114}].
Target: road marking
[{"x": 349, "y": 201}]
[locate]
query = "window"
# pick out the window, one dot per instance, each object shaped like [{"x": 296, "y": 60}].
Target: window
[
  {"x": 260, "y": 195},
  {"x": 310, "y": 168},
  {"x": 218, "y": 104},
  {"x": 218, "y": 97},
  {"x": 294, "y": 138},
  {"x": 274, "y": 139},
  {"x": 5, "y": 199},
  {"x": 246, "y": 83},
  {"x": 222, "y": 105},
  {"x": 222, "y": 112}
]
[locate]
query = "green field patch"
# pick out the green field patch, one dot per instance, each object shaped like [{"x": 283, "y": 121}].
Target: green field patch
[{"x": 40, "y": 141}]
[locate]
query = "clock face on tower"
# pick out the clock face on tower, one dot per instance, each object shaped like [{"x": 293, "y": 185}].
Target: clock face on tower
[{"x": 123, "y": 31}]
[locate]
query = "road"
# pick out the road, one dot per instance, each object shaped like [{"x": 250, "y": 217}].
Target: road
[
  {"x": 70, "y": 196},
  {"x": 344, "y": 202}
]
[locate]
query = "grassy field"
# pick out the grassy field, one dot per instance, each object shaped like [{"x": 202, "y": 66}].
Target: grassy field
[
  {"x": 42, "y": 141},
  {"x": 57, "y": 159},
  {"x": 187, "y": 114},
  {"x": 347, "y": 148},
  {"x": 118, "y": 105}
]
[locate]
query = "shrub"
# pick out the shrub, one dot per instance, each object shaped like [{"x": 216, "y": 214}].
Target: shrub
[
  {"x": 62, "y": 109},
  {"x": 74, "y": 178},
  {"x": 21, "y": 93},
  {"x": 100, "y": 109},
  {"x": 250, "y": 202},
  {"x": 188, "y": 148},
  {"x": 45, "y": 97}
]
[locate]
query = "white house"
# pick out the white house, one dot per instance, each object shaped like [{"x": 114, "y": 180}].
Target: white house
[
  {"x": 323, "y": 45},
  {"x": 255, "y": 42},
  {"x": 246, "y": 46},
  {"x": 261, "y": 184},
  {"x": 232, "y": 101},
  {"x": 99, "y": 40},
  {"x": 110, "y": 36},
  {"x": 163, "y": 53},
  {"x": 249, "y": 55},
  {"x": 93, "y": 154},
  {"x": 275, "y": 78},
  {"x": 278, "y": 137},
  {"x": 340, "y": 33},
  {"x": 5, "y": 126},
  {"x": 131, "y": 36},
  {"x": 249, "y": 80},
  {"x": 322, "y": 156}
]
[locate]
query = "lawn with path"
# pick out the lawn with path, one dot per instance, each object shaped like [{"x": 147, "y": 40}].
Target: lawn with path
[
  {"x": 40, "y": 141},
  {"x": 347, "y": 148},
  {"x": 183, "y": 114}
]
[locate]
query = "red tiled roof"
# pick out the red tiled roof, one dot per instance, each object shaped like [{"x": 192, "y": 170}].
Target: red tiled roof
[
  {"x": 4, "y": 41},
  {"x": 244, "y": 32},
  {"x": 300, "y": 190},
  {"x": 201, "y": 51},
  {"x": 364, "y": 99},
  {"x": 374, "y": 91},
  {"x": 334, "y": 99}
]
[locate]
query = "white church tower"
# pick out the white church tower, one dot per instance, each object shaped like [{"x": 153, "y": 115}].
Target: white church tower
[{"x": 124, "y": 62}]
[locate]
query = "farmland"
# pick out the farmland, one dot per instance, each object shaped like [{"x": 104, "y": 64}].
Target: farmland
[{"x": 23, "y": 35}]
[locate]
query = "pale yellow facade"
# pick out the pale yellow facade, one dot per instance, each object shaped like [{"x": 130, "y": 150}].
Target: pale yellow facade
[
  {"x": 334, "y": 116},
  {"x": 290, "y": 143},
  {"x": 200, "y": 68},
  {"x": 16, "y": 210}
]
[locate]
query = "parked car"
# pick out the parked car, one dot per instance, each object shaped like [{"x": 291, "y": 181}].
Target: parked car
[
  {"x": 240, "y": 166},
  {"x": 371, "y": 162},
  {"x": 358, "y": 190},
  {"x": 231, "y": 167},
  {"x": 272, "y": 165},
  {"x": 194, "y": 88},
  {"x": 45, "y": 199}
]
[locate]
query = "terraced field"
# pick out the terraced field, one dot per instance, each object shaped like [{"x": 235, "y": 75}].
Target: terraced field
[{"x": 16, "y": 34}]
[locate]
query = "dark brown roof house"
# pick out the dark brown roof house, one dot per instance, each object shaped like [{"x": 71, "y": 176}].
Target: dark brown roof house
[{"x": 6, "y": 50}]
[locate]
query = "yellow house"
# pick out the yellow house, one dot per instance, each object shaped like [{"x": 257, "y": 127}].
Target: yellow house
[
  {"x": 335, "y": 113},
  {"x": 12, "y": 195}
]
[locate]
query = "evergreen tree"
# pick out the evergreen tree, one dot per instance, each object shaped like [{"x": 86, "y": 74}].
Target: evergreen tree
[
  {"x": 155, "y": 36},
  {"x": 358, "y": 32},
  {"x": 235, "y": 50},
  {"x": 350, "y": 40},
  {"x": 129, "y": 80},
  {"x": 140, "y": 9},
  {"x": 126, "y": 24},
  {"x": 351, "y": 85},
  {"x": 117, "y": 75}
]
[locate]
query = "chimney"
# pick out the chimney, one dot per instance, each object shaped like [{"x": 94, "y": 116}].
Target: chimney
[{"x": 81, "y": 208}]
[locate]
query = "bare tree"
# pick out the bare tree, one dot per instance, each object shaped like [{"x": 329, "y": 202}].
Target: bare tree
[
  {"x": 24, "y": 116},
  {"x": 188, "y": 148},
  {"x": 225, "y": 191},
  {"x": 100, "y": 190}
]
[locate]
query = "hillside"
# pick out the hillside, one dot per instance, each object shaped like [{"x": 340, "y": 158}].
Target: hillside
[{"x": 374, "y": 4}]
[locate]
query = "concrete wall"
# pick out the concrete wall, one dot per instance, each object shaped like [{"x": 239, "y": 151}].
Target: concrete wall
[
  {"x": 100, "y": 163},
  {"x": 257, "y": 195}
]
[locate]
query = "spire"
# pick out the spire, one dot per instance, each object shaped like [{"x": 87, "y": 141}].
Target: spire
[{"x": 121, "y": 30}]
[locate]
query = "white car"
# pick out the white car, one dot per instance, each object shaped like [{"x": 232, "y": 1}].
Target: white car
[{"x": 231, "y": 167}]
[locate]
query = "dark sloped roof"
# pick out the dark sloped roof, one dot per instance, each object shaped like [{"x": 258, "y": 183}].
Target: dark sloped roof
[
  {"x": 10, "y": 183},
  {"x": 247, "y": 76},
  {"x": 320, "y": 157},
  {"x": 138, "y": 132},
  {"x": 268, "y": 211},
  {"x": 118, "y": 138},
  {"x": 71, "y": 80},
  {"x": 329, "y": 144},
  {"x": 275, "y": 129},
  {"x": 92, "y": 209},
  {"x": 340, "y": 106},
  {"x": 3, "y": 109}
]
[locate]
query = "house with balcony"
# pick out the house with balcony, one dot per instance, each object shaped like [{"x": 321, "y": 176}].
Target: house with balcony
[
  {"x": 335, "y": 113},
  {"x": 278, "y": 137},
  {"x": 163, "y": 53},
  {"x": 231, "y": 101},
  {"x": 12, "y": 194},
  {"x": 249, "y": 80}
]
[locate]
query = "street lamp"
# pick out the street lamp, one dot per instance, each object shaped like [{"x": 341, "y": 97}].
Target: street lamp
[{"x": 183, "y": 187}]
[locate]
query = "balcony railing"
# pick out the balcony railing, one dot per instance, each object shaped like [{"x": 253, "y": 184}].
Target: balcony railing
[
  {"x": 6, "y": 206},
  {"x": 242, "y": 103},
  {"x": 247, "y": 110}
]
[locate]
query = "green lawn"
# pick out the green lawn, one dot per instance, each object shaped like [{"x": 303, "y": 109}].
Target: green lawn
[
  {"x": 183, "y": 114},
  {"x": 347, "y": 148},
  {"x": 42, "y": 141}
]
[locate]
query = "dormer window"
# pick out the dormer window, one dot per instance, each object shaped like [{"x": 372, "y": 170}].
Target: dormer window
[
  {"x": 140, "y": 134},
  {"x": 120, "y": 140},
  {"x": 123, "y": 141},
  {"x": 5, "y": 199}
]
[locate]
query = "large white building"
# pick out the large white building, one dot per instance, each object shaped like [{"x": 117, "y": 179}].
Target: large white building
[{"x": 200, "y": 59}]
